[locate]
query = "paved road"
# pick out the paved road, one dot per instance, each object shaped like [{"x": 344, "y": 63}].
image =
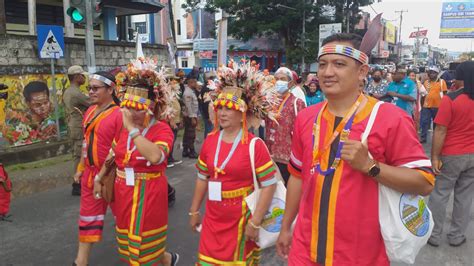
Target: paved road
[{"x": 44, "y": 231}]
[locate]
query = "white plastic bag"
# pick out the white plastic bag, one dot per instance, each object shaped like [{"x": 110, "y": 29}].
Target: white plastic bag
[
  {"x": 405, "y": 220},
  {"x": 272, "y": 221}
]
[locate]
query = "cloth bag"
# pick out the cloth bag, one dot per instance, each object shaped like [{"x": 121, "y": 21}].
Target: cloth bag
[
  {"x": 405, "y": 220},
  {"x": 108, "y": 180},
  {"x": 272, "y": 221}
]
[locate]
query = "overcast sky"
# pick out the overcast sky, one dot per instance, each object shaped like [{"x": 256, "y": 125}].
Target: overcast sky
[{"x": 423, "y": 13}]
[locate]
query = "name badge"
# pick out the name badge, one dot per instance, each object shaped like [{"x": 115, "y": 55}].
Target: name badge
[
  {"x": 129, "y": 177},
  {"x": 215, "y": 191}
]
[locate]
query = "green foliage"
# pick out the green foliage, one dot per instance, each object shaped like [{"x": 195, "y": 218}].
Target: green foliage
[{"x": 284, "y": 19}]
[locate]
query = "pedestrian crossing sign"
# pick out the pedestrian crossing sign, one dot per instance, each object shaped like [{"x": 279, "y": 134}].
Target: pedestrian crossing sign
[{"x": 50, "y": 41}]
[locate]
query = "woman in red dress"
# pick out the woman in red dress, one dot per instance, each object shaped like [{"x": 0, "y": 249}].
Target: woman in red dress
[
  {"x": 229, "y": 230},
  {"x": 141, "y": 151}
]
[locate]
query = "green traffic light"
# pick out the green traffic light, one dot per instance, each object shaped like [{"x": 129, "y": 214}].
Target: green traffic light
[{"x": 75, "y": 14}]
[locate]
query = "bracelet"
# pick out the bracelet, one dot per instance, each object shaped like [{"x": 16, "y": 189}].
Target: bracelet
[
  {"x": 134, "y": 136},
  {"x": 193, "y": 213},
  {"x": 253, "y": 225},
  {"x": 133, "y": 132},
  {"x": 97, "y": 178}
]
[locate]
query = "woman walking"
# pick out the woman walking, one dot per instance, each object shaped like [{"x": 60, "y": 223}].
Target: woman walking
[
  {"x": 141, "y": 151},
  {"x": 229, "y": 231}
]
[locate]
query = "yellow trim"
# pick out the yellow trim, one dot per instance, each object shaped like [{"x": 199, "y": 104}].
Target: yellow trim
[
  {"x": 154, "y": 243},
  {"x": 134, "y": 237},
  {"x": 140, "y": 176},
  {"x": 162, "y": 143},
  {"x": 155, "y": 231},
  {"x": 241, "y": 230},
  {"x": 202, "y": 163},
  {"x": 122, "y": 231},
  {"x": 220, "y": 262},
  {"x": 230, "y": 194},
  {"x": 152, "y": 256},
  {"x": 120, "y": 241},
  {"x": 89, "y": 239},
  {"x": 264, "y": 167}
]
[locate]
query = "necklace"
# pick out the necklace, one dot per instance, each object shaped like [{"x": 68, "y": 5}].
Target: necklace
[
  {"x": 282, "y": 104},
  {"x": 220, "y": 169},
  {"x": 343, "y": 128},
  {"x": 128, "y": 155}
]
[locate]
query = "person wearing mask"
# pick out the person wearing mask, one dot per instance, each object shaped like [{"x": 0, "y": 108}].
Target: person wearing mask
[
  {"x": 314, "y": 94},
  {"x": 452, "y": 156},
  {"x": 436, "y": 88},
  {"x": 190, "y": 117},
  {"x": 278, "y": 133},
  {"x": 102, "y": 124},
  {"x": 403, "y": 90},
  {"x": 76, "y": 104},
  {"x": 228, "y": 230},
  {"x": 334, "y": 184},
  {"x": 377, "y": 87}
]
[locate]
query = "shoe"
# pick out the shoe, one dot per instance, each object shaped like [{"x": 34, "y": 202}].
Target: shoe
[
  {"x": 458, "y": 244},
  {"x": 193, "y": 155},
  {"x": 422, "y": 140},
  {"x": 170, "y": 165},
  {"x": 433, "y": 242},
  {"x": 185, "y": 154},
  {"x": 177, "y": 162},
  {"x": 174, "y": 258},
  {"x": 171, "y": 197},
  {"x": 76, "y": 189}
]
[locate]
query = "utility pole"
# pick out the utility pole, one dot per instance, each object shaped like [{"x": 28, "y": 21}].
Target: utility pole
[
  {"x": 417, "y": 48},
  {"x": 222, "y": 41},
  {"x": 90, "y": 52},
  {"x": 303, "y": 37},
  {"x": 400, "y": 34}
]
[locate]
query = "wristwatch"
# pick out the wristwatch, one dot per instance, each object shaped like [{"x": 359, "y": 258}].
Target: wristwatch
[{"x": 374, "y": 170}]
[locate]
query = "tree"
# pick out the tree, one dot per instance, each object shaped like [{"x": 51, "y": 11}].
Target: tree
[{"x": 284, "y": 19}]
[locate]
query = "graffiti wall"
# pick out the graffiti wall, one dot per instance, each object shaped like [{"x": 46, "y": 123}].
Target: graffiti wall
[{"x": 27, "y": 116}]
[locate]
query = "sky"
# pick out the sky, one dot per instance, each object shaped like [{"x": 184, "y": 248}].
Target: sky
[{"x": 422, "y": 13}]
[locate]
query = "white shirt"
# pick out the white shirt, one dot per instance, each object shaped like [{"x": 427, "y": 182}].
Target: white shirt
[{"x": 299, "y": 93}]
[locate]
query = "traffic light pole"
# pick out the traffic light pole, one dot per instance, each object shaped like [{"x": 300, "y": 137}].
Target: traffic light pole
[{"x": 90, "y": 52}]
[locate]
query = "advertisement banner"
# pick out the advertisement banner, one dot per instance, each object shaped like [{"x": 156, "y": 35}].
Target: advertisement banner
[
  {"x": 326, "y": 30},
  {"x": 390, "y": 33},
  {"x": 421, "y": 33},
  {"x": 457, "y": 20}
]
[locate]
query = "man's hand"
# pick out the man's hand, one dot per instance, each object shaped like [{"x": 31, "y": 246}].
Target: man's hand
[
  {"x": 283, "y": 244},
  {"x": 251, "y": 233},
  {"x": 436, "y": 165},
  {"x": 194, "y": 121},
  {"x": 77, "y": 177},
  {"x": 356, "y": 154},
  {"x": 392, "y": 93},
  {"x": 195, "y": 222},
  {"x": 97, "y": 190}
]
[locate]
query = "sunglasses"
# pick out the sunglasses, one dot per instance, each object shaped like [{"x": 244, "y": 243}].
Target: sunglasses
[{"x": 94, "y": 88}]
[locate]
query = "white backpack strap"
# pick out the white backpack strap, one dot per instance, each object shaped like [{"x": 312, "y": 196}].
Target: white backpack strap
[
  {"x": 368, "y": 128},
  {"x": 295, "y": 106},
  {"x": 252, "y": 162}
]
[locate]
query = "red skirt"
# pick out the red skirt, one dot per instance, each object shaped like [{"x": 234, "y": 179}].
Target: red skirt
[
  {"x": 142, "y": 218},
  {"x": 222, "y": 239}
]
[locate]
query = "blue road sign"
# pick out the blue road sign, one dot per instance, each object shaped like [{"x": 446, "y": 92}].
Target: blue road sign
[{"x": 50, "y": 41}]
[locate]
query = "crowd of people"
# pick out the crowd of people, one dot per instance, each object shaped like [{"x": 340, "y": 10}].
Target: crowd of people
[{"x": 310, "y": 133}]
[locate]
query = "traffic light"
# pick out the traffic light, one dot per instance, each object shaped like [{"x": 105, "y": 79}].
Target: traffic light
[
  {"x": 97, "y": 11},
  {"x": 77, "y": 11}
]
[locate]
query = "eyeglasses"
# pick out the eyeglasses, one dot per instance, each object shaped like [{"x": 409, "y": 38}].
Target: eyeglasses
[{"x": 94, "y": 88}]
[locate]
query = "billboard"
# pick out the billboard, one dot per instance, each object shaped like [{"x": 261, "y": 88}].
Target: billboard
[
  {"x": 390, "y": 33},
  {"x": 457, "y": 20},
  {"x": 326, "y": 30}
]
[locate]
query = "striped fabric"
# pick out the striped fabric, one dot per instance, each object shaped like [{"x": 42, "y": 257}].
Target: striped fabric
[
  {"x": 164, "y": 146},
  {"x": 203, "y": 170},
  {"x": 253, "y": 258},
  {"x": 266, "y": 172},
  {"x": 344, "y": 50}
]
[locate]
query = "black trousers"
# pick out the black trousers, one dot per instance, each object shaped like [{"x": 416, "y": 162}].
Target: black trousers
[
  {"x": 189, "y": 135},
  {"x": 284, "y": 171}
]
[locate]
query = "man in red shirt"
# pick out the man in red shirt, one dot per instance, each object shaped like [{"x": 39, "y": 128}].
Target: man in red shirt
[
  {"x": 452, "y": 157},
  {"x": 333, "y": 185}
]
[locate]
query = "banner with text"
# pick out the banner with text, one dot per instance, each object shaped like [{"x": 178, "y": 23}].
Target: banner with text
[{"x": 457, "y": 20}]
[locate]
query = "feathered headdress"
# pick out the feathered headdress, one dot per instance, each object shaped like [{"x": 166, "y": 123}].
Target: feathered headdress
[
  {"x": 145, "y": 88},
  {"x": 244, "y": 88}
]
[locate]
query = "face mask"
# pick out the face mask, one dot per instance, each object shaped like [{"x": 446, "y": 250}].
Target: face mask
[
  {"x": 281, "y": 86},
  {"x": 377, "y": 79}
]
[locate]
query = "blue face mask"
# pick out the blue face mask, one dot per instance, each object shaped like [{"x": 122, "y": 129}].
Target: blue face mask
[{"x": 281, "y": 86}]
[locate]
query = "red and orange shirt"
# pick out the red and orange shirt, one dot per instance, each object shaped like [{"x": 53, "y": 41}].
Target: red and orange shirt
[
  {"x": 338, "y": 221},
  {"x": 238, "y": 171},
  {"x": 160, "y": 134}
]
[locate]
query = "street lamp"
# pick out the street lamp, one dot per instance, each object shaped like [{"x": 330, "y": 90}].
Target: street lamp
[{"x": 303, "y": 34}]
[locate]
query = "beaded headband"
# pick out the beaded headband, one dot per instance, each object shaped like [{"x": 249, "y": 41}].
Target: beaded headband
[
  {"x": 103, "y": 79},
  {"x": 230, "y": 101},
  {"x": 344, "y": 50},
  {"x": 135, "y": 102}
]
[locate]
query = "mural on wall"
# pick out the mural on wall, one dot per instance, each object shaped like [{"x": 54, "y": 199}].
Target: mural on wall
[{"x": 28, "y": 116}]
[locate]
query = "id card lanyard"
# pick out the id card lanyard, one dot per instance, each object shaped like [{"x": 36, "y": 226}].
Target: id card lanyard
[
  {"x": 129, "y": 173},
  {"x": 215, "y": 187}
]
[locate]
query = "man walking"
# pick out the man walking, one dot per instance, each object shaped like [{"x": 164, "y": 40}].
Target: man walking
[
  {"x": 436, "y": 88},
  {"x": 404, "y": 91},
  {"x": 190, "y": 117},
  {"x": 452, "y": 156},
  {"x": 76, "y": 104},
  {"x": 338, "y": 216}
]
